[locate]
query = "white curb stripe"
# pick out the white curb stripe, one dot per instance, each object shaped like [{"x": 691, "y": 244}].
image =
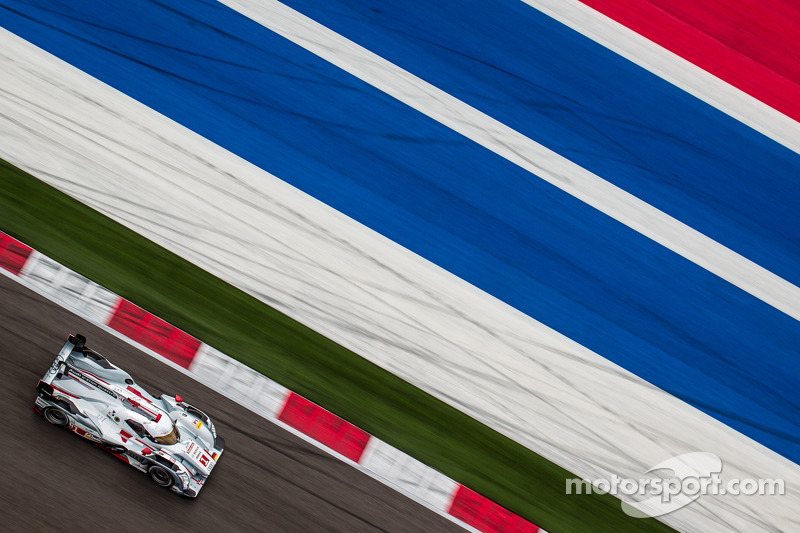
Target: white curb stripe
[
  {"x": 69, "y": 289},
  {"x": 413, "y": 477},
  {"x": 251, "y": 389}
]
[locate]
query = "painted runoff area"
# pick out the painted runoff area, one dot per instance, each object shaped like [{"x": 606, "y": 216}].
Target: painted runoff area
[
  {"x": 401, "y": 312},
  {"x": 559, "y": 261},
  {"x": 574, "y": 97},
  {"x": 257, "y": 392}
]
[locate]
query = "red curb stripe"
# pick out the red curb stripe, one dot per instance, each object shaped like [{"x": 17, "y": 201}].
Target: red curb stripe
[
  {"x": 484, "y": 515},
  {"x": 751, "y": 44},
  {"x": 153, "y": 332},
  {"x": 13, "y": 254},
  {"x": 324, "y": 426}
]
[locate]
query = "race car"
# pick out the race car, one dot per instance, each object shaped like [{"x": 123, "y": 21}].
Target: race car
[{"x": 175, "y": 443}]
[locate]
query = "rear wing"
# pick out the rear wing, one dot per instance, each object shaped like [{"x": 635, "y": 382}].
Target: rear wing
[
  {"x": 45, "y": 385},
  {"x": 61, "y": 368},
  {"x": 74, "y": 342}
]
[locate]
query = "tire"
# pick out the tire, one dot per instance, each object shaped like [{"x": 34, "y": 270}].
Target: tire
[
  {"x": 57, "y": 417},
  {"x": 161, "y": 476}
]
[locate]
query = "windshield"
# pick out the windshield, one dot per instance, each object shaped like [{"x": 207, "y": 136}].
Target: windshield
[{"x": 170, "y": 438}]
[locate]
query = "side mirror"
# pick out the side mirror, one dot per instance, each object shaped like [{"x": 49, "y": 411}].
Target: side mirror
[
  {"x": 147, "y": 451},
  {"x": 178, "y": 399}
]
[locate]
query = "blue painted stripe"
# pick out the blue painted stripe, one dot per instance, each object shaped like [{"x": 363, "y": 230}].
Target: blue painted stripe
[
  {"x": 444, "y": 197},
  {"x": 573, "y": 96}
]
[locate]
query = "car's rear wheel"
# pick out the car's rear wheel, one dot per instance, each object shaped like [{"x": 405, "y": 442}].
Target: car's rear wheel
[
  {"x": 161, "y": 476},
  {"x": 56, "y": 416}
]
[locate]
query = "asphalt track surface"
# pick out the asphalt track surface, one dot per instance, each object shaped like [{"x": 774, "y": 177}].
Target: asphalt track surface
[{"x": 267, "y": 479}]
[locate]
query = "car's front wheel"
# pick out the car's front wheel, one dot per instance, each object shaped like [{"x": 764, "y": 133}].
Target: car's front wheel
[
  {"x": 161, "y": 476},
  {"x": 56, "y": 416}
]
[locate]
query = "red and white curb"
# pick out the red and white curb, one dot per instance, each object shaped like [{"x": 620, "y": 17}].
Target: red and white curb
[{"x": 256, "y": 392}]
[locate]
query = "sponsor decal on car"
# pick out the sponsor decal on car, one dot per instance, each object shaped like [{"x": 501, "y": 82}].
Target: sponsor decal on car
[{"x": 83, "y": 377}]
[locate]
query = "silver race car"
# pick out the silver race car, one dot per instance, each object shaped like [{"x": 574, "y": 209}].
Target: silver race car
[{"x": 174, "y": 442}]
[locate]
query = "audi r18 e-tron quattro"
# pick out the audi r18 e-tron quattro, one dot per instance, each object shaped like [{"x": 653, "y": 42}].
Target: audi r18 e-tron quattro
[{"x": 175, "y": 443}]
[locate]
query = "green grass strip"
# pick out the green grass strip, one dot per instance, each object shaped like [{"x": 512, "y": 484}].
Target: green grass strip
[{"x": 301, "y": 359}]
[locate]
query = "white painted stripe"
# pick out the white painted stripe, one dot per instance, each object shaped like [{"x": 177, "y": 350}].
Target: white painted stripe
[
  {"x": 674, "y": 69},
  {"x": 398, "y": 310},
  {"x": 524, "y": 152}
]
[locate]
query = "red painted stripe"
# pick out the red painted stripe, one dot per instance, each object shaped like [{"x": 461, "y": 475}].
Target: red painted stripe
[
  {"x": 154, "y": 333},
  {"x": 13, "y": 254},
  {"x": 140, "y": 395},
  {"x": 324, "y": 426},
  {"x": 751, "y": 44},
  {"x": 484, "y": 515}
]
